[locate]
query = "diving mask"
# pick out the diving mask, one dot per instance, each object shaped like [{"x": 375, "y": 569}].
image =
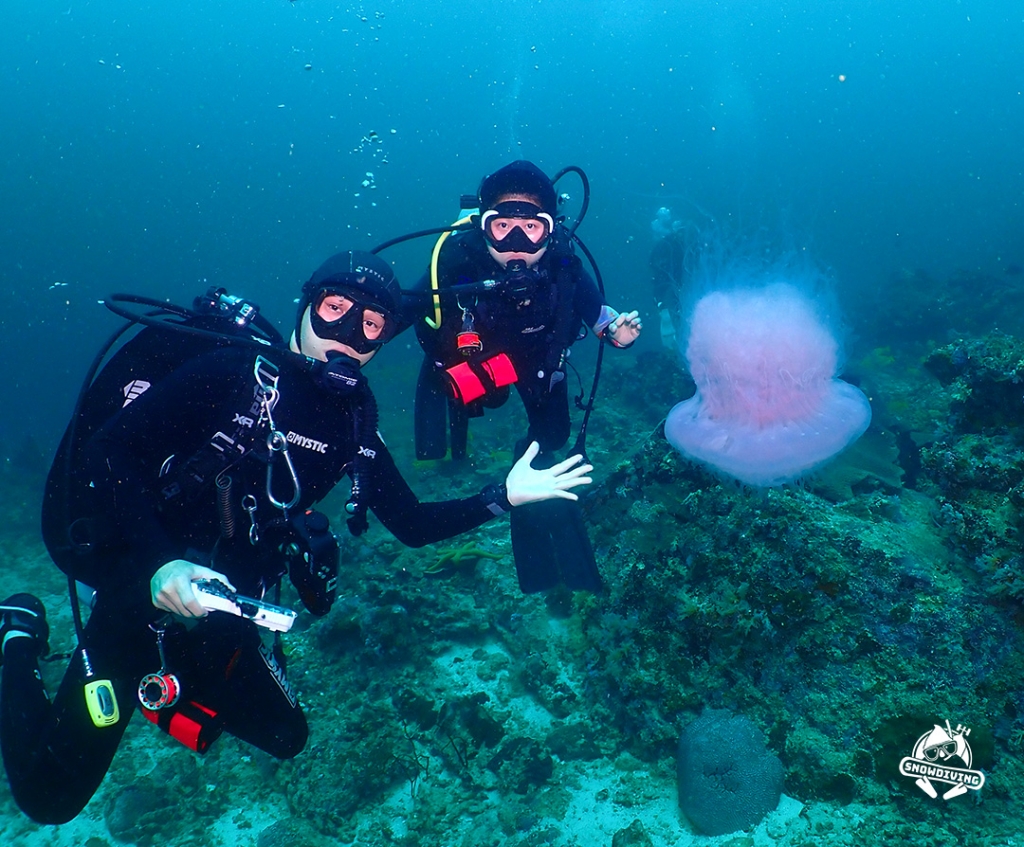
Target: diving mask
[
  {"x": 515, "y": 226},
  {"x": 345, "y": 316}
]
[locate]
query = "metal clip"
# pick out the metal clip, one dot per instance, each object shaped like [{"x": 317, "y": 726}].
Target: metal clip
[
  {"x": 468, "y": 340},
  {"x": 159, "y": 630},
  {"x": 249, "y": 504},
  {"x": 276, "y": 441}
]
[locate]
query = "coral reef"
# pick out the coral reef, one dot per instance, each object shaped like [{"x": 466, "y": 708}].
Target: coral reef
[
  {"x": 728, "y": 779},
  {"x": 915, "y": 306},
  {"x": 843, "y": 619},
  {"x": 463, "y": 556}
]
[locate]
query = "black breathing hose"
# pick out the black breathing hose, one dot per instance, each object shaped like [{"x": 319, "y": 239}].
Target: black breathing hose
[{"x": 365, "y": 424}]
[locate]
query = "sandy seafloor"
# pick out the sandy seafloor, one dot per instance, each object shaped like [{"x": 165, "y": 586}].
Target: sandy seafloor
[{"x": 234, "y": 794}]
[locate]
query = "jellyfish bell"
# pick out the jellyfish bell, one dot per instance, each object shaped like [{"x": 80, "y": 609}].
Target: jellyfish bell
[{"x": 769, "y": 407}]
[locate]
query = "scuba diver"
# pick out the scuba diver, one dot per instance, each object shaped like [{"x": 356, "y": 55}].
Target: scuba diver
[
  {"x": 509, "y": 297},
  {"x": 668, "y": 256},
  {"x": 196, "y": 493}
]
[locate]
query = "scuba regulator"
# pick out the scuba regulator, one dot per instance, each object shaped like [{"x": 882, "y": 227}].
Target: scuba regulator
[
  {"x": 520, "y": 281},
  {"x": 340, "y": 373}
]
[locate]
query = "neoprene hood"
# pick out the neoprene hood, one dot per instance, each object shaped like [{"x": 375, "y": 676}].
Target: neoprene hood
[
  {"x": 359, "y": 271},
  {"x": 519, "y": 177}
]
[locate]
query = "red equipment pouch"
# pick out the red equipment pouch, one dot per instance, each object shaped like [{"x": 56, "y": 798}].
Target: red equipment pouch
[
  {"x": 465, "y": 383},
  {"x": 501, "y": 370},
  {"x": 193, "y": 724},
  {"x": 472, "y": 380}
]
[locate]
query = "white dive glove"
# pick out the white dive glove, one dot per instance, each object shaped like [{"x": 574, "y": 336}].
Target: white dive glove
[
  {"x": 525, "y": 484},
  {"x": 171, "y": 587}
]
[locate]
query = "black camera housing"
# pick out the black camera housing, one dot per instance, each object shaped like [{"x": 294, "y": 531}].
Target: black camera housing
[
  {"x": 217, "y": 301},
  {"x": 313, "y": 557}
]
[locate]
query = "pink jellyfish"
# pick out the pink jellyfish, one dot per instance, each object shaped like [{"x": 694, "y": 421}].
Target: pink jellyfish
[{"x": 768, "y": 408}]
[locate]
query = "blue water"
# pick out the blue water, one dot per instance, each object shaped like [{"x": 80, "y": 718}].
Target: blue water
[{"x": 161, "y": 147}]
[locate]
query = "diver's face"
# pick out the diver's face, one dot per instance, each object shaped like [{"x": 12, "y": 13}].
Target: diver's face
[
  {"x": 535, "y": 229},
  {"x": 332, "y": 308}
]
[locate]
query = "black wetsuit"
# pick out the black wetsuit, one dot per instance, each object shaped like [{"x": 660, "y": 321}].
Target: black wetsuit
[
  {"x": 55, "y": 757},
  {"x": 534, "y": 324}
]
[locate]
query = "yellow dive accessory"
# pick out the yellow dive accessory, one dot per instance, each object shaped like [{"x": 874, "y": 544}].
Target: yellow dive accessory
[
  {"x": 102, "y": 704},
  {"x": 100, "y": 699},
  {"x": 435, "y": 322}
]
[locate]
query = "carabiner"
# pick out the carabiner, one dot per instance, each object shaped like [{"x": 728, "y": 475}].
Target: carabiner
[
  {"x": 277, "y": 443},
  {"x": 249, "y": 504}
]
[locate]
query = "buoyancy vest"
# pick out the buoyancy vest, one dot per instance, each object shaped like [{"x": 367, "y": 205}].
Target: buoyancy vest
[
  {"x": 73, "y": 527},
  {"x": 540, "y": 322}
]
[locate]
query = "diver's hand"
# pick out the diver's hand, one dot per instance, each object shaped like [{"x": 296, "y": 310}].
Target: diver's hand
[
  {"x": 526, "y": 484},
  {"x": 625, "y": 329},
  {"x": 171, "y": 587}
]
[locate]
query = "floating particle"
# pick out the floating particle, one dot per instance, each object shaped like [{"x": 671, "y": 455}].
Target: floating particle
[{"x": 308, "y": 66}]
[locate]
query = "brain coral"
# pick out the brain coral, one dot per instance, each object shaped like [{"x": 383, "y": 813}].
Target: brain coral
[{"x": 728, "y": 779}]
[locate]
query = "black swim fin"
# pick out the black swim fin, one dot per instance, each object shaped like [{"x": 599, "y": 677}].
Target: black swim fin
[
  {"x": 431, "y": 413},
  {"x": 551, "y": 547}
]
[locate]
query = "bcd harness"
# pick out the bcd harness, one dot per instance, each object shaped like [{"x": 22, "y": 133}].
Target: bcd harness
[
  {"x": 254, "y": 432},
  {"x": 474, "y": 368},
  {"x": 78, "y": 538},
  {"x": 303, "y": 538}
]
